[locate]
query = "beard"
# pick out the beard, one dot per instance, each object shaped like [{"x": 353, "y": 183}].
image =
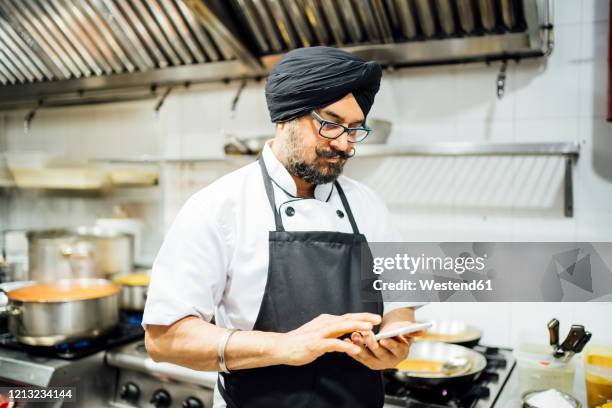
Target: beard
[{"x": 320, "y": 171}]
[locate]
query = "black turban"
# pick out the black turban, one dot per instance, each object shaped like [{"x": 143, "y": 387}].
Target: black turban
[{"x": 310, "y": 78}]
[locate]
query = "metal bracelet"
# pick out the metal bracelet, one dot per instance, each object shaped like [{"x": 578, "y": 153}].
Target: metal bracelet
[{"x": 221, "y": 350}]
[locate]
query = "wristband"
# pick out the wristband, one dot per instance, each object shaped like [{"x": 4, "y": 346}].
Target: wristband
[{"x": 221, "y": 350}]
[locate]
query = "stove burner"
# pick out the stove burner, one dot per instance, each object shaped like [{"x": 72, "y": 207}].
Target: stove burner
[
  {"x": 125, "y": 332},
  {"x": 134, "y": 318}
]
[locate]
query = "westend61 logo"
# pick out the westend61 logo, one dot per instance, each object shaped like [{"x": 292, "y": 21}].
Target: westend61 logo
[
  {"x": 487, "y": 271},
  {"x": 414, "y": 264}
]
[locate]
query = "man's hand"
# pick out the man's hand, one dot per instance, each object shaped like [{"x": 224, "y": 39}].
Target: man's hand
[
  {"x": 319, "y": 336},
  {"x": 386, "y": 353}
]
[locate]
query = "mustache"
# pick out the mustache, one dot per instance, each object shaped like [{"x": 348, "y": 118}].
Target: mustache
[{"x": 333, "y": 153}]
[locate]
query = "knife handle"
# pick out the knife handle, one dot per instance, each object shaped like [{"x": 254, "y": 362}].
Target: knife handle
[
  {"x": 574, "y": 336},
  {"x": 583, "y": 341},
  {"x": 553, "y": 332}
]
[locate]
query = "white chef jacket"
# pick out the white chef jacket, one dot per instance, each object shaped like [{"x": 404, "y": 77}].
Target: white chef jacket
[{"x": 214, "y": 258}]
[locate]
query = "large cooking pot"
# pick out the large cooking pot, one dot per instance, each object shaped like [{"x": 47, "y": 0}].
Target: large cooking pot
[
  {"x": 83, "y": 252},
  {"x": 453, "y": 332},
  {"x": 4, "y": 288},
  {"x": 133, "y": 293},
  {"x": 436, "y": 383},
  {"x": 49, "y": 313}
]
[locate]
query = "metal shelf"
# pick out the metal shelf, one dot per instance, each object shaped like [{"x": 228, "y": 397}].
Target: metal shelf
[
  {"x": 169, "y": 160},
  {"x": 570, "y": 151},
  {"x": 470, "y": 149}
]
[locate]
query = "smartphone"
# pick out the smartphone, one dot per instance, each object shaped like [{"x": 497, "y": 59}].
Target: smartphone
[{"x": 415, "y": 327}]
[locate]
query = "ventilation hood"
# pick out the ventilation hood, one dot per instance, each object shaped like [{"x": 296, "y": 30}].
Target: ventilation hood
[{"x": 60, "y": 52}]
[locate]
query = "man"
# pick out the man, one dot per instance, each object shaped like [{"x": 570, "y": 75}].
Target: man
[{"x": 274, "y": 251}]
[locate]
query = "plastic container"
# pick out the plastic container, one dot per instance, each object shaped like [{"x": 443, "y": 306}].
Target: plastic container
[
  {"x": 538, "y": 370},
  {"x": 598, "y": 375}
]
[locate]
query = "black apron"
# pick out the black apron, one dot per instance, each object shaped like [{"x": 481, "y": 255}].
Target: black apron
[{"x": 309, "y": 273}]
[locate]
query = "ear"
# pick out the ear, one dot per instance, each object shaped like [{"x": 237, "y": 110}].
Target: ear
[{"x": 279, "y": 133}]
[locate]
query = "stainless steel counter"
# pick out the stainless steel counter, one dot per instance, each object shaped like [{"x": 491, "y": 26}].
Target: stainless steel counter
[{"x": 93, "y": 379}]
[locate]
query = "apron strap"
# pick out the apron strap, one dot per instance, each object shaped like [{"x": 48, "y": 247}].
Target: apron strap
[
  {"x": 270, "y": 193},
  {"x": 347, "y": 208},
  {"x": 224, "y": 394}
]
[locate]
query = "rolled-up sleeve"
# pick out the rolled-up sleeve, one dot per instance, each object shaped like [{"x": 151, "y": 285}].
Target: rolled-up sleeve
[{"x": 189, "y": 272}]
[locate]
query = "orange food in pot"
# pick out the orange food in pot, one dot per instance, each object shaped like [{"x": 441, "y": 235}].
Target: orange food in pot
[
  {"x": 134, "y": 279},
  {"x": 63, "y": 291}
]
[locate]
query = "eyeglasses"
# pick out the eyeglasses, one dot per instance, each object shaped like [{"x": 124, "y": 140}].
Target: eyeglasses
[{"x": 333, "y": 130}]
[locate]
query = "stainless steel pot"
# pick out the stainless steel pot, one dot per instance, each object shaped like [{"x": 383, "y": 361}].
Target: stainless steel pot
[
  {"x": 47, "y": 323},
  {"x": 83, "y": 252},
  {"x": 134, "y": 289},
  {"x": 133, "y": 297}
]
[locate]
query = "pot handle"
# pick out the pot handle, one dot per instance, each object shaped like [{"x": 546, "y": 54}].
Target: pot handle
[
  {"x": 66, "y": 251},
  {"x": 4, "y": 309},
  {"x": 13, "y": 310}
]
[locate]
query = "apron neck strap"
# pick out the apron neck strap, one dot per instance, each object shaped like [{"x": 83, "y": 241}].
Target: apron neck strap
[
  {"x": 347, "y": 208},
  {"x": 277, "y": 217},
  {"x": 270, "y": 193}
]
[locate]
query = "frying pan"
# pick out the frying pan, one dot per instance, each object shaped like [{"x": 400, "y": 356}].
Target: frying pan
[
  {"x": 453, "y": 332},
  {"x": 432, "y": 383}
]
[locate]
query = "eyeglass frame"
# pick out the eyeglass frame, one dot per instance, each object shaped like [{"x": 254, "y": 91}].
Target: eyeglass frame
[{"x": 322, "y": 121}]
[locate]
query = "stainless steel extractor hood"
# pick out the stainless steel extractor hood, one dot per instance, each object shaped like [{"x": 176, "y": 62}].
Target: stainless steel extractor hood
[
  {"x": 401, "y": 32},
  {"x": 57, "y": 52}
]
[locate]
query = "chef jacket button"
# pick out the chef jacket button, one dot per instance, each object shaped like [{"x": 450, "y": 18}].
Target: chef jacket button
[
  {"x": 340, "y": 213},
  {"x": 290, "y": 211}
]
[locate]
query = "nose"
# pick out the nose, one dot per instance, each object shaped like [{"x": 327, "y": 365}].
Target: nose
[{"x": 341, "y": 143}]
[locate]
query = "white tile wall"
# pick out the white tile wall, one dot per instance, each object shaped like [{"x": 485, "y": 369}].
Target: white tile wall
[
  {"x": 549, "y": 88},
  {"x": 595, "y": 10},
  {"x": 593, "y": 69},
  {"x": 558, "y": 99},
  {"x": 570, "y": 11}
]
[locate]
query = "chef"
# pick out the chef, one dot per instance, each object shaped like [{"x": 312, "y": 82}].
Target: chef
[{"x": 273, "y": 250}]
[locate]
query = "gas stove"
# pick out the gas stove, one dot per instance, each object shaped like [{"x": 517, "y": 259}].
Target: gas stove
[
  {"x": 79, "y": 364},
  {"x": 127, "y": 330},
  {"x": 143, "y": 382},
  {"x": 483, "y": 393},
  {"x": 113, "y": 370}
]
